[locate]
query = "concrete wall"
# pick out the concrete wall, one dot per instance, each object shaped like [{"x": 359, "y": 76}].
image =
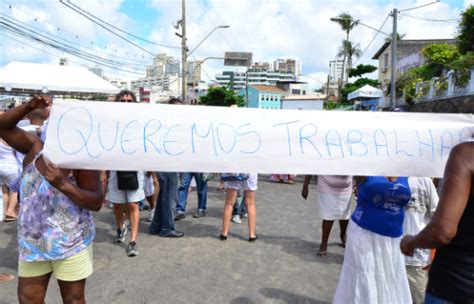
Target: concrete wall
[
  {"x": 311, "y": 104},
  {"x": 463, "y": 104}
]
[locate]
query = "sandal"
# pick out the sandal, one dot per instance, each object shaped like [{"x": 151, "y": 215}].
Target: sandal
[
  {"x": 6, "y": 277},
  {"x": 10, "y": 218},
  {"x": 322, "y": 253}
]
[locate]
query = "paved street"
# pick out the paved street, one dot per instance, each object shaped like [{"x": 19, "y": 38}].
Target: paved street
[{"x": 280, "y": 267}]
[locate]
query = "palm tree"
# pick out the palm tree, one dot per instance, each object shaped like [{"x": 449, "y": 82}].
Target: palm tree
[
  {"x": 399, "y": 37},
  {"x": 349, "y": 50},
  {"x": 347, "y": 23}
]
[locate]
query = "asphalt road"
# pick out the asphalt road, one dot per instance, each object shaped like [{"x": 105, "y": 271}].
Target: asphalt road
[{"x": 280, "y": 267}]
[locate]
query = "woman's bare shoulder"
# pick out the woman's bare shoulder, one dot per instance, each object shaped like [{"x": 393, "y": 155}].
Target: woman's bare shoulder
[{"x": 465, "y": 152}]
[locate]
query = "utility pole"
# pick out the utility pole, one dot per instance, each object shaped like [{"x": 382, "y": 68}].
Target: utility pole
[
  {"x": 184, "y": 55},
  {"x": 393, "y": 80}
]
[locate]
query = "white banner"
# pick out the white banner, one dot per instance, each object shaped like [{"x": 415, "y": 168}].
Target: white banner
[{"x": 126, "y": 136}]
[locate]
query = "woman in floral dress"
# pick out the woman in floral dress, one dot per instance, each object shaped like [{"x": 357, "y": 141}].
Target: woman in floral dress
[{"x": 55, "y": 227}]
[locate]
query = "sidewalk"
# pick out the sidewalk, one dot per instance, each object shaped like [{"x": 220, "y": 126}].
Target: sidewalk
[{"x": 280, "y": 267}]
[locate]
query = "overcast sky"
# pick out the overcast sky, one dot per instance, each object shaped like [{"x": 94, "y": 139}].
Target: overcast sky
[{"x": 269, "y": 29}]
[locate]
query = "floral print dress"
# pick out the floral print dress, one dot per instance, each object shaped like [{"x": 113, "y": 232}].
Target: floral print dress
[{"x": 50, "y": 225}]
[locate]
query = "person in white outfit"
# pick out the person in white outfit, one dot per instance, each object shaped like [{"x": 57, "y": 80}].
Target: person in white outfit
[
  {"x": 9, "y": 173},
  {"x": 418, "y": 213},
  {"x": 374, "y": 270}
]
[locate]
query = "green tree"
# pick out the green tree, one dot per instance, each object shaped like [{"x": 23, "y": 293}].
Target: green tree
[
  {"x": 462, "y": 68},
  {"x": 349, "y": 50},
  {"x": 223, "y": 97},
  {"x": 359, "y": 83},
  {"x": 438, "y": 57},
  {"x": 466, "y": 31},
  {"x": 362, "y": 69}
]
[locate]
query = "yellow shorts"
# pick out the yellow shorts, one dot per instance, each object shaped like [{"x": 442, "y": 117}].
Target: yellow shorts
[{"x": 71, "y": 269}]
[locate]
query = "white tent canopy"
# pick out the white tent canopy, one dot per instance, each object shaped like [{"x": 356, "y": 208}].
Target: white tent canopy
[
  {"x": 23, "y": 76},
  {"x": 366, "y": 91}
]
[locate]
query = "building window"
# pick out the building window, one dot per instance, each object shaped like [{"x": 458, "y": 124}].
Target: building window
[{"x": 385, "y": 62}]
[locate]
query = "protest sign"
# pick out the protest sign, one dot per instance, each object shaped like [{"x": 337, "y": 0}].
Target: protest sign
[{"x": 181, "y": 138}]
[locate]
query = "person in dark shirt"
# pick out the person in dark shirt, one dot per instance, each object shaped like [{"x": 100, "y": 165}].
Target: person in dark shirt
[{"x": 451, "y": 278}]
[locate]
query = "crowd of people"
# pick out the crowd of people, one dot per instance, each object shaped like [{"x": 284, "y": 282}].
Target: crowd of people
[{"x": 389, "y": 225}]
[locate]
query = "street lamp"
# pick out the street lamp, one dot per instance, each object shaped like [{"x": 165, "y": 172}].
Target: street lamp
[
  {"x": 207, "y": 36},
  {"x": 185, "y": 56}
]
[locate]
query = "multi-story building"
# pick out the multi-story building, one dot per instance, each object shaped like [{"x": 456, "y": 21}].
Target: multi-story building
[
  {"x": 163, "y": 65},
  {"x": 119, "y": 83},
  {"x": 261, "y": 66},
  {"x": 408, "y": 55},
  {"x": 194, "y": 72},
  {"x": 292, "y": 66},
  {"x": 237, "y": 80},
  {"x": 165, "y": 82},
  {"x": 335, "y": 70}
]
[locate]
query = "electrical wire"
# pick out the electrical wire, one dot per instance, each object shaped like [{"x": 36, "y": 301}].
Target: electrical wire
[
  {"x": 430, "y": 20},
  {"x": 417, "y": 7},
  {"x": 38, "y": 49},
  {"x": 33, "y": 35},
  {"x": 373, "y": 38},
  {"x": 62, "y": 47},
  {"x": 208, "y": 16},
  {"x": 36, "y": 19},
  {"x": 48, "y": 35},
  {"x": 106, "y": 28},
  {"x": 118, "y": 29}
]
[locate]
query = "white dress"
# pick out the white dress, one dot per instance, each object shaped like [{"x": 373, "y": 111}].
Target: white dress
[
  {"x": 373, "y": 271},
  {"x": 334, "y": 196}
]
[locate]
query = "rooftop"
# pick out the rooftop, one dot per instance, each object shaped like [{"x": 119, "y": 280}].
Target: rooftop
[
  {"x": 412, "y": 42},
  {"x": 318, "y": 96},
  {"x": 268, "y": 88}
]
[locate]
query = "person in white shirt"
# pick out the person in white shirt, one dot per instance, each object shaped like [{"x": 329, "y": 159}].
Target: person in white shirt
[{"x": 418, "y": 213}]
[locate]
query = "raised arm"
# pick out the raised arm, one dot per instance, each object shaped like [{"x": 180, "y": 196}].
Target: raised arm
[
  {"x": 18, "y": 139},
  {"x": 454, "y": 197}
]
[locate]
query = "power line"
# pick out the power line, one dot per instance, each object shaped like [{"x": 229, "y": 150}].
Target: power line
[
  {"x": 431, "y": 20},
  {"x": 373, "y": 38},
  {"x": 33, "y": 34},
  {"x": 208, "y": 16},
  {"x": 38, "y": 49},
  {"x": 48, "y": 35},
  {"x": 118, "y": 29},
  {"x": 36, "y": 19},
  {"x": 106, "y": 28},
  {"x": 417, "y": 7},
  {"x": 40, "y": 38}
]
